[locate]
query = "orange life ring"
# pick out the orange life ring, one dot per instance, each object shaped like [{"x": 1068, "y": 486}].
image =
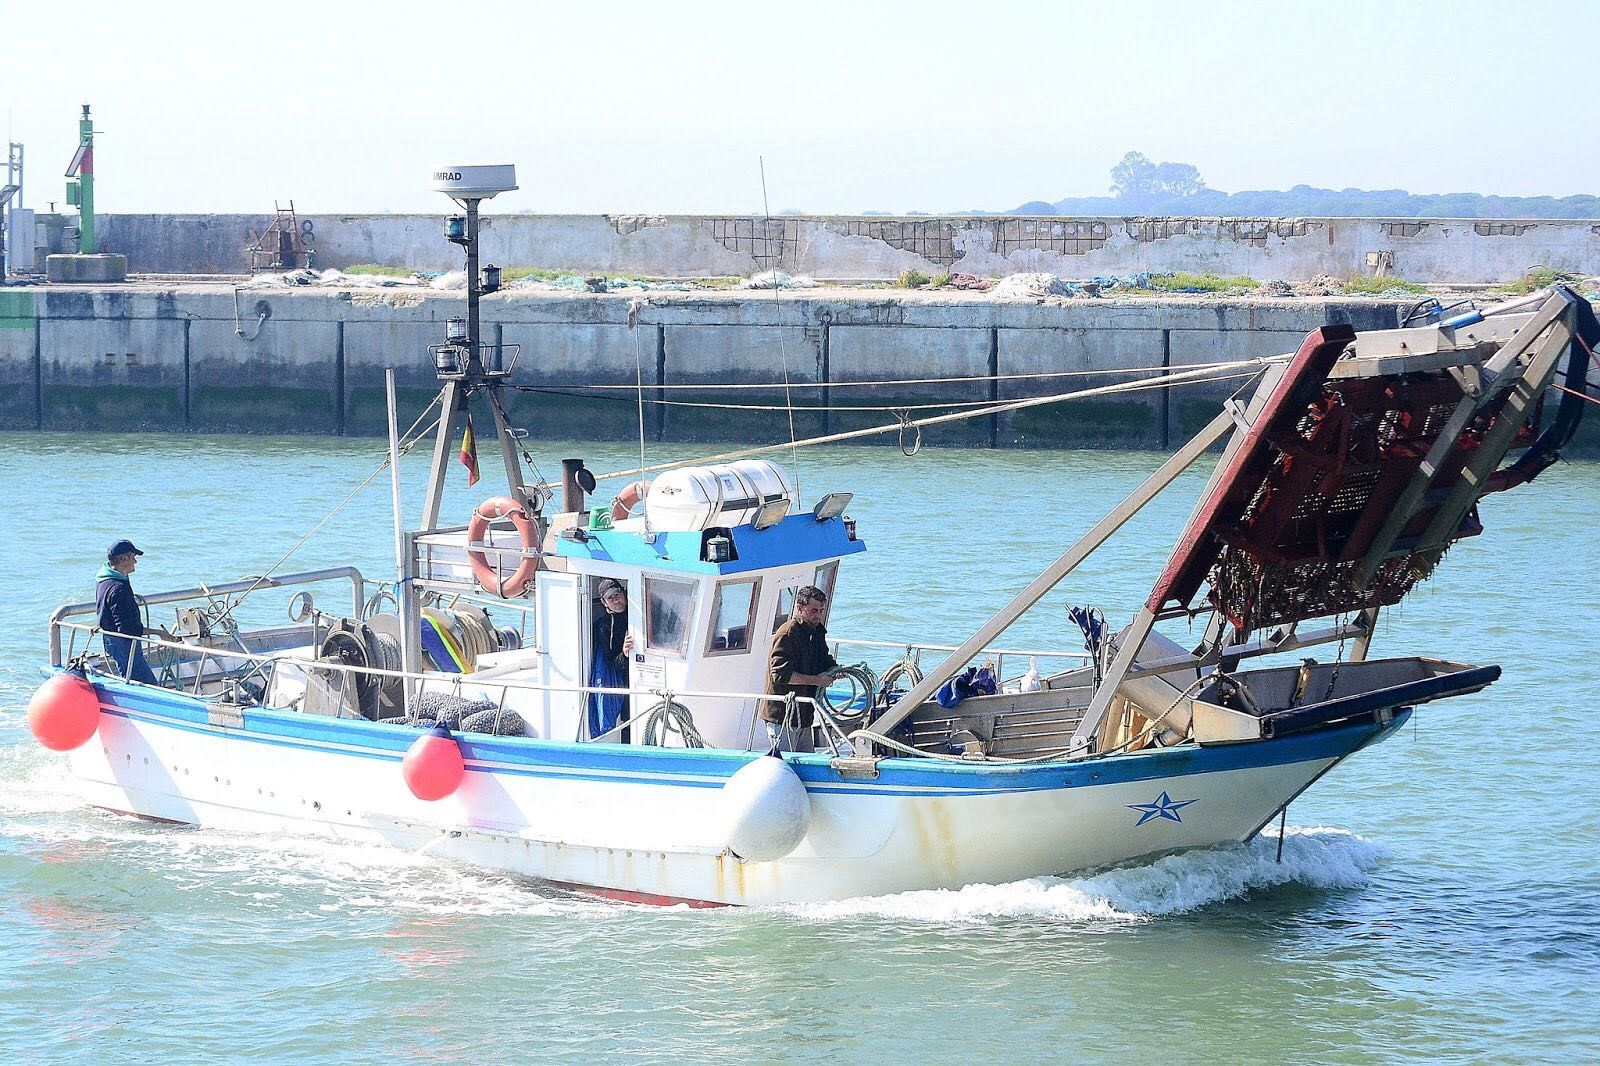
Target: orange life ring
[
  {"x": 488, "y": 575},
  {"x": 628, "y": 499}
]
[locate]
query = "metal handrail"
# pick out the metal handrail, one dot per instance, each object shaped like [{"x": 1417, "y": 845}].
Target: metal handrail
[
  {"x": 456, "y": 679},
  {"x": 913, "y": 652},
  {"x": 912, "y": 646},
  {"x": 211, "y": 592}
]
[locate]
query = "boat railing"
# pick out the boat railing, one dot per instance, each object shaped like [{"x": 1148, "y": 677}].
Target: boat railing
[
  {"x": 265, "y": 664},
  {"x": 437, "y": 552},
  {"x": 212, "y": 593},
  {"x": 911, "y": 653}
]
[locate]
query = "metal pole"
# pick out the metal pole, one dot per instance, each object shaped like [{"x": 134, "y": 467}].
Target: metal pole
[
  {"x": 474, "y": 359},
  {"x": 86, "y": 242},
  {"x": 451, "y": 403},
  {"x": 571, "y": 491},
  {"x": 406, "y": 600},
  {"x": 394, "y": 473},
  {"x": 1057, "y": 570}
]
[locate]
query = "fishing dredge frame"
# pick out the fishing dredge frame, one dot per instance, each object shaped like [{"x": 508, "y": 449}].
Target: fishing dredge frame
[{"x": 1350, "y": 472}]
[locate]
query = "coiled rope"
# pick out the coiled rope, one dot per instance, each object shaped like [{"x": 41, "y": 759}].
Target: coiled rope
[
  {"x": 906, "y": 669},
  {"x": 666, "y": 718},
  {"x": 865, "y": 689}
]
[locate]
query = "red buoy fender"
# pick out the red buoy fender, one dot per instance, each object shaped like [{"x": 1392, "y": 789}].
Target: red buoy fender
[
  {"x": 433, "y": 767},
  {"x": 64, "y": 712},
  {"x": 488, "y": 575},
  {"x": 628, "y": 499}
]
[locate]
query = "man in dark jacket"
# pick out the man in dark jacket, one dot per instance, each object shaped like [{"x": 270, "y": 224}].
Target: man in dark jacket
[
  {"x": 800, "y": 664},
  {"x": 120, "y": 617},
  {"x": 613, "y": 648}
]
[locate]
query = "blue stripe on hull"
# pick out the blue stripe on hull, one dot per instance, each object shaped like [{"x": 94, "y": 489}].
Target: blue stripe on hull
[{"x": 701, "y": 768}]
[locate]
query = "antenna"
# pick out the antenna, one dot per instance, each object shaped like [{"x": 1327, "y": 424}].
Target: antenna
[{"x": 469, "y": 186}]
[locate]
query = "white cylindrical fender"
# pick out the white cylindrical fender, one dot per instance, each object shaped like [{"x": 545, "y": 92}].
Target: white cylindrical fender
[{"x": 767, "y": 809}]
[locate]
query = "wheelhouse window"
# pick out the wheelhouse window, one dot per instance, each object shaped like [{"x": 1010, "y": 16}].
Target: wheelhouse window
[
  {"x": 827, "y": 577},
  {"x": 786, "y": 597},
  {"x": 669, "y": 610},
  {"x": 733, "y": 615}
]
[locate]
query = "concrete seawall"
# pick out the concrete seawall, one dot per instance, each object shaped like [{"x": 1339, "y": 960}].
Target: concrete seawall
[
  {"x": 1461, "y": 251},
  {"x": 201, "y": 358}
]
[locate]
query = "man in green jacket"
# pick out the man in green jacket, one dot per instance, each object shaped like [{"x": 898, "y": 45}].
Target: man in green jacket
[{"x": 120, "y": 617}]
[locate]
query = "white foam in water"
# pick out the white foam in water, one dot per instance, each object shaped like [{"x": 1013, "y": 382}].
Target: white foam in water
[
  {"x": 1174, "y": 884},
  {"x": 35, "y": 782},
  {"x": 349, "y": 877},
  {"x": 39, "y": 804}
]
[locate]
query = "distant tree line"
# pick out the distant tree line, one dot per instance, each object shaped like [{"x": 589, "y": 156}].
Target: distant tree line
[{"x": 1142, "y": 187}]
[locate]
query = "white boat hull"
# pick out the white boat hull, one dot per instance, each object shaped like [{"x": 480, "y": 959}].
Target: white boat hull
[{"x": 648, "y": 823}]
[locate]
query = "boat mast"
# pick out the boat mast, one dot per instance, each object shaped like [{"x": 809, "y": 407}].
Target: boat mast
[
  {"x": 459, "y": 362},
  {"x": 460, "y": 365}
]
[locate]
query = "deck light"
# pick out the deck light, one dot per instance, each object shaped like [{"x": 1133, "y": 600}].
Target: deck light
[
  {"x": 719, "y": 549},
  {"x": 447, "y": 359},
  {"x": 771, "y": 512},
  {"x": 832, "y": 505}
]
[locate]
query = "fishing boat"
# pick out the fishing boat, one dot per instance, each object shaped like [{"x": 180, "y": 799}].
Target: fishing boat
[{"x": 449, "y": 710}]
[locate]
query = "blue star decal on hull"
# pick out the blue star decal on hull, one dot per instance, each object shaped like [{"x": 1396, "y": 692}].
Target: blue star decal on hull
[{"x": 1164, "y": 807}]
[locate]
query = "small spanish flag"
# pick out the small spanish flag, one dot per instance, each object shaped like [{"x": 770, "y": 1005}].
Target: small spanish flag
[{"x": 469, "y": 453}]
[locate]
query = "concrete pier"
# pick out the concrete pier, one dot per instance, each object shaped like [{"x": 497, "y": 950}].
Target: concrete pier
[
  {"x": 203, "y": 357},
  {"x": 1430, "y": 250}
]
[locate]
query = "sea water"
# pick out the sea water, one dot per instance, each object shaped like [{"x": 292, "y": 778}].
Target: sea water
[{"x": 1436, "y": 896}]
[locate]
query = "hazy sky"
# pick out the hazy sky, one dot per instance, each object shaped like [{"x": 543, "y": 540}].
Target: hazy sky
[{"x": 344, "y": 105}]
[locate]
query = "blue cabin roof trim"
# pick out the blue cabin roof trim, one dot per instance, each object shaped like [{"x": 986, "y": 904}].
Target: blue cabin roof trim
[{"x": 799, "y": 538}]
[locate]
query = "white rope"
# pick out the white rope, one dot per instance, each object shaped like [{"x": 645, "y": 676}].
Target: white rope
[
  {"x": 1015, "y": 405},
  {"x": 970, "y": 378},
  {"x": 947, "y": 405}
]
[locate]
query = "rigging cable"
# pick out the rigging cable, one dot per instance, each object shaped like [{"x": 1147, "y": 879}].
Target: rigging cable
[
  {"x": 968, "y": 379},
  {"x": 406, "y": 446},
  {"x": 634, "y": 307},
  {"x": 783, "y": 351},
  {"x": 946, "y": 405},
  {"x": 1575, "y": 392},
  {"x": 1184, "y": 377},
  {"x": 540, "y": 483}
]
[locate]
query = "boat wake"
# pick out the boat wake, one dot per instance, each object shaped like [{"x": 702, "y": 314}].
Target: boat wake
[
  {"x": 41, "y": 814},
  {"x": 1316, "y": 857},
  {"x": 34, "y": 782}
]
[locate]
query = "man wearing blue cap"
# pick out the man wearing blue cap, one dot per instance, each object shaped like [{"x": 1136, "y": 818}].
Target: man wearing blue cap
[{"x": 120, "y": 617}]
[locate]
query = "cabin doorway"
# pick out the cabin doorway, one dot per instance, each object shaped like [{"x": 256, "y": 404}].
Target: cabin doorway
[{"x": 609, "y": 607}]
